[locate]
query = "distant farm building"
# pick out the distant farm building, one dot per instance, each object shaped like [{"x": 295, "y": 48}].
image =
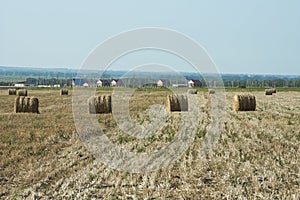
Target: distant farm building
[
  {"x": 24, "y": 84},
  {"x": 80, "y": 82},
  {"x": 77, "y": 82},
  {"x": 105, "y": 83},
  {"x": 163, "y": 83},
  {"x": 194, "y": 83},
  {"x": 20, "y": 84},
  {"x": 120, "y": 83},
  {"x": 197, "y": 83},
  {"x": 99, "y": 83},
  {"x": 160, "y": 83},
  {"x": 113, "y": 83},
  {"x": 44, "y": 86},
  {"x": 191, "y": 83},
  {"x": 108, "y": 83}
]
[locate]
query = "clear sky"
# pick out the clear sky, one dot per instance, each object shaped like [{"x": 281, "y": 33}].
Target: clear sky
[{"x": 241, "y": 36}]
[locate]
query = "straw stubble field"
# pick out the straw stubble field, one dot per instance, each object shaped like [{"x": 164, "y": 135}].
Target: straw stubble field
[{"x": 257, "y": 155}]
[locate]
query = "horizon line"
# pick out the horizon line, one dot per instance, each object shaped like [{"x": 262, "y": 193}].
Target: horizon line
[{"x": 126, "y": 70}]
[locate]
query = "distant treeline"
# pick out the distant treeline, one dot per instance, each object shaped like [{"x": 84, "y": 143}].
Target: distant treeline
[
  {"x": 262, "y": 83},
  {"x": 41, "y": 81},
  {"x": 253, "y": 83},
  {"x": 63, "y": 76},
  {"x": 227, "y": 83},
  {"x": 37, "y": 72}
]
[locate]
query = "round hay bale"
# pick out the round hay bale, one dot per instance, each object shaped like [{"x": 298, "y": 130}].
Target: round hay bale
[
  {"x": 192, "y": 91},
  {"x": 34, "y": 105},
  {"x": 100, "y": 104},
  {"x": 64, "y": 92},
  {"x": 12, "y": 91},
  {"x": 18, "y": 106},
  {"x": 22, "y": 92},
  {"x": 268, "y": 92},
  {"x": 211, "y": 91},
  {"x": 273, "y": 90},
  {"x": 26, "y": 105},
  {"x": 244, "y": 102},
  {"x": 177, "y": 103}
]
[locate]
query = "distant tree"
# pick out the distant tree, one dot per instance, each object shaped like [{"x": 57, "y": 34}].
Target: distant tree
[{"x": 32, "y": 80}]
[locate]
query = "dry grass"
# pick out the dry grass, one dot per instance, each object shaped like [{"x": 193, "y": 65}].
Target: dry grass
[{"x": 257, "y": 155}]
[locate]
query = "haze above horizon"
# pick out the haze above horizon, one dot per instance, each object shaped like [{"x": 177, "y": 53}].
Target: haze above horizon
[{"x": 257, "y": 37}]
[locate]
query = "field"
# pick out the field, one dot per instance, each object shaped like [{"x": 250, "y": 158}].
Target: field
[{"x": 256, "y": 157}]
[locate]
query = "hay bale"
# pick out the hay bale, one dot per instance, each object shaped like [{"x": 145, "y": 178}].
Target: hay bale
[
  {"x": 268, "y": 92},
  {"x": 26, "y": 105},
  {"x": 211, "y": 91},
  {"x": 100, "y": 104},
  {"x": 12, "y": 91},
  {"x": 244, "y": 102},
  {"x": 64, "y": 92},
  {"x": 177, "y": 103},
  {"x": 22, "y": 92},
  {"x": 192, "y": 91},
  {"x": 273, "y": 90}
]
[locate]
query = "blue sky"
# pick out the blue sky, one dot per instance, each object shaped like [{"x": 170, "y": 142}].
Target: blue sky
[{"x": 261, "y": 37}]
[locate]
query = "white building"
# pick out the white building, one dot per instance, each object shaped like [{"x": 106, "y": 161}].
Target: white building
[
  {"x": 191, "y": 84},
  {"x": 99, "y": 83},
  {"x": 24, "y": 84},
  {"x": 85, "y": 85},
  {"x": 160, "y": 83},
  {"x": 113, "y": 83},
  {"x": 19, "y": 85}
]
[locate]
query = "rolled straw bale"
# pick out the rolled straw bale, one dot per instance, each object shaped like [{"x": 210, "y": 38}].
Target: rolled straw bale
[
  {"x": 26, "y": 105},
  {"x": 177, "y": 103},
  {"x": 244, "y": 102},
  {"x": 100, "y": 104},
  {"x": 22, "y": 92},
  {"x": 273, "y": 90},
  {"x": 64, "y": 92},
  {"x": 12, "y": 91},
  {"x": 211, "y": 91},
  {"x": 192, "y": 91},
  {"x": 269, "y": 92}
]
